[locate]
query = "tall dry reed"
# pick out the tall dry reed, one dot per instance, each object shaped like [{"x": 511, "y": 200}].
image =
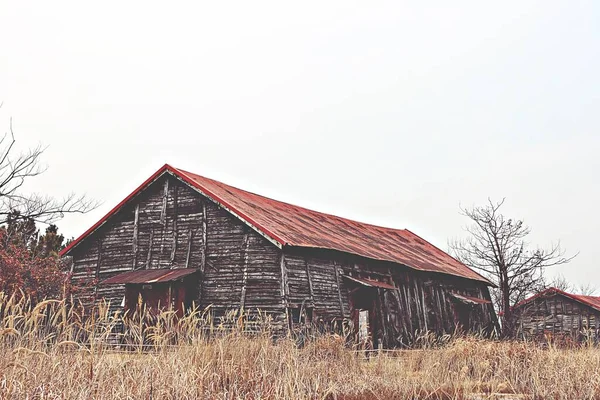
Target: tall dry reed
[{"x": 51, "y": 351}]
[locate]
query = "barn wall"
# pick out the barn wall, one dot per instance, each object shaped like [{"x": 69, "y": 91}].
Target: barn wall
[
  {"x": 242, "y": 267},
  {"x": 313, "y": 280},
  {"x": 557, "y": 315},
  {"x": 176, "y": 227},
  {"x": 421, "y": 301}
]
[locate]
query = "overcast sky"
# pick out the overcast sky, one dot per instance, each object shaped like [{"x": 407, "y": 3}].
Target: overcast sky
[{"x": 393, "y": 114}]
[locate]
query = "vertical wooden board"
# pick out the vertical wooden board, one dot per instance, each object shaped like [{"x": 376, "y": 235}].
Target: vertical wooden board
[
  {"x": 188, "y": 255},
  {"x": 326, "y": 294},
  {"x": 245, "y": 262},
  {"x": 263, "y": 281},
  {"x": 223, "y": 271},
  {"x": 189, "y": 218},
  {"x": 339, "y": 289},
  {"x": 174, "y": 231},
  {"x": 298, "y": 281},
  {"x": 135, "y": 234}
]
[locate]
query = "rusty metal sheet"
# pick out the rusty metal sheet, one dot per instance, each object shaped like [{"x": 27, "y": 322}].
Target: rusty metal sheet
[
  {"x": 469, "y": 299},
  {"x": 289, "y": 225},
  {"x": 296, "y": 226},
  {"x": 370, "y": 282},
  {"x": 149, "y": 276}
]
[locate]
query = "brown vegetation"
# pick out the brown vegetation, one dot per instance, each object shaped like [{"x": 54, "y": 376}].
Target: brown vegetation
[{"x": 47, "y": 351}]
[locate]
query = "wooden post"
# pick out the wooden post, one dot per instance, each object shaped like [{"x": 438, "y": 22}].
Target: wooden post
[
  {"x": 424, "y": 309},
  {"x": 97, "y": 272},
  {"x": 204, "y": 237},
  {"x": 407, "y": 298},
  {"x": 136, "y": 219},
  {"x": 203, "y": 250},
  {"x": 189, "y": 249},
  {"x": 245, "y": 272},
  {"x": 417, "y": 306},
  {"x": 149, "y": 256},
  {"x": 163, "y": 211},
  {"x": 337, "y": 281},
  {"x": 310, "y": 283},
  {"x": 163, "y": 215},
  {"x": 284, "y": 298},
  {"x": 174, "y": 246}
]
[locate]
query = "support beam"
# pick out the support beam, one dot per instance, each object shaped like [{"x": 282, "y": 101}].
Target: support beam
[
  {"x": 246, "y": 245},
  {"x": 424, "y": 309},
  {"x": 174, "y": 244},
  {"x": 339, "y": 290},
  {"x": 97, "y": 272},
  {"x": 163, "y": 211},
  {"x": 149, "y": 256},
  {"x": 284, "y": 289},
  {"x": 163, "y": 215},
  {"x": 136, "y": 220},
  {"x": 189, "y": 249},
  {"x": 310, "y": 282},
  {"x": 204, "y": 238}
]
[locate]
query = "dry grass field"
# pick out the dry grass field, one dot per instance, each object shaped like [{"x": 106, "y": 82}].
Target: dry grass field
[{"x": 48, "y": 352}]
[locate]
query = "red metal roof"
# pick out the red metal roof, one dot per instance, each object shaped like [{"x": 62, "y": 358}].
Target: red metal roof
[
  {"x": 370, "y": 282},
  {"x": 149, "y": 276},
  {"x": 290, "y": 225},
  {"x": 591, "y": 301}
]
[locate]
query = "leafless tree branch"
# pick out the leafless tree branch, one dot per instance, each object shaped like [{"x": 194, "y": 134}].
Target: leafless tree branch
[
  {"x": 496, "y": 246},
  {"x": 17, "y": 168}
]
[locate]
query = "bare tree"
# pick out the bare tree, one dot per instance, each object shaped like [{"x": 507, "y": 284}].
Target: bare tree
[
  {"x": 16, "y": 168},
  {"x": 497, "y": 247},
  {"x": 560, "y": 282},
  {"x": 587, "y": 289}
]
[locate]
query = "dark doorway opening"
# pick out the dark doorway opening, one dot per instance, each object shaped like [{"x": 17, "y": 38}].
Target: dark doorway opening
[
  {"x": 158, "y": 289},
  {"x": 157, "y": 297}
]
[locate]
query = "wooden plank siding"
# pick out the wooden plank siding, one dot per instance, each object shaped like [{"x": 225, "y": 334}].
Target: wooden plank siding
[
  {"x": 161, "y": 239},
  {"x": 171, "y": 225},
  {"x": 421, "y": 301},
  {"x": 557, "y": 315}
]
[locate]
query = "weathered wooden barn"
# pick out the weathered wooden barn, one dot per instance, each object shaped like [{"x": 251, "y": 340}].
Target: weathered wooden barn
[
  {"x": 181, "y": 238},
  {"x": 555, "y": 313}
]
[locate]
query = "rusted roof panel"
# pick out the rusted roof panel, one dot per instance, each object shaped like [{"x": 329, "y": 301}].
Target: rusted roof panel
[
  {"x": 289, "y": 225},
  {"x": 469, "y": 299},
  {"x": 370, "y": 282},
  {"x": 591, "y": 301},
  {"x": 297, "y": 226},
  {"x": 142, "y": 276}
]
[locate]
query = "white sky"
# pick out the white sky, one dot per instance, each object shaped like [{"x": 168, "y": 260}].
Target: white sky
[{"x": 391, "y": 114}]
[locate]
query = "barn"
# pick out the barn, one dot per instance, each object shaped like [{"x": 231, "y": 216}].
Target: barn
[
  {"x": 555, "y": 313},
  {"x": 181, "y": 238}
]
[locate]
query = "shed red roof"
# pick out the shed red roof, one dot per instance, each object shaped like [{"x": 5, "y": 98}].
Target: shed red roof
[
  {"x": 370, "y": 282},
  {"x": 290, "y": 225},
  {"x": 469, "y": 299},
  {"x": 149, "y": 276},
  {"x": 591, "y": 301}
]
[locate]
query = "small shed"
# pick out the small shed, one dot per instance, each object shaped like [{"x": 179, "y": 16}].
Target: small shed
[{"x": 554, "y": 313}]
